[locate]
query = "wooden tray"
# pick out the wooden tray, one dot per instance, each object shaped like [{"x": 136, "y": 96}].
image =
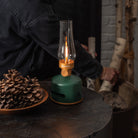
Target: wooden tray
[{"x": 18, "y": 110}]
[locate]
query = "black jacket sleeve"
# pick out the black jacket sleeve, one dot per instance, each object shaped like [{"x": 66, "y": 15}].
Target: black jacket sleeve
[{"x": 45, "y": 32}]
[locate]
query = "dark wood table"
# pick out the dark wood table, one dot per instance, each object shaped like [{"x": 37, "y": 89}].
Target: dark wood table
[{"x": 51, "y": 120}]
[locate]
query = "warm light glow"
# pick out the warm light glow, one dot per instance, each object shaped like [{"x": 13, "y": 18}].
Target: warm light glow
[{"x": 66, "y": 50}]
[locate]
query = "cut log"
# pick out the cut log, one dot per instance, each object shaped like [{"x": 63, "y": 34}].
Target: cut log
[
  {"x": 92, "y": 84},
  {"x": 132, "y": 22},
  {"x": 114, "y": 100},
  {"x": 91, "y": 46},
  {"x": 115, "y": 62},
  {"x": 91, "y": 50},
  {"x": 119, "y": 16},
  {"x": 129, "y": 93}
]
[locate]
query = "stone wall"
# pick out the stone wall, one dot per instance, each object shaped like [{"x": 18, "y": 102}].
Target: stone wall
[{"x": 108, "y": 35}]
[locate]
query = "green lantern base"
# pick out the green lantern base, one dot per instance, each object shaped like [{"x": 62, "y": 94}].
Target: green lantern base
[{"x": 66, "y": 90}]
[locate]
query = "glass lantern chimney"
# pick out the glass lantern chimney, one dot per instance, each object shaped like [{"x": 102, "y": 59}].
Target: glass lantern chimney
[{"x": 66, "y": 49}]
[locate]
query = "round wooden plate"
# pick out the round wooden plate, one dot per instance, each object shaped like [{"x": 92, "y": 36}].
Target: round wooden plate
[{"x": 10, "y": 111}]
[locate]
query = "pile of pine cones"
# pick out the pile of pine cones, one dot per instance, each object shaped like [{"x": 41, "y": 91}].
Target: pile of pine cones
[{"x": 17, "y": 91}]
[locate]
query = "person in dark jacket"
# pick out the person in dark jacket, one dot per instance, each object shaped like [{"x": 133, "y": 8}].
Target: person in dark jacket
[{"x": 29, "y": 34}]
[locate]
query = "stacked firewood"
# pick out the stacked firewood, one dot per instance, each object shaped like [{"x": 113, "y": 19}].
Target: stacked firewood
[{"x": 17, "y": 91}]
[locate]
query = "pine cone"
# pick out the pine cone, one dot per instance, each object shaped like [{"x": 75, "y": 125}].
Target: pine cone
[{"x": 17, "y": 91}]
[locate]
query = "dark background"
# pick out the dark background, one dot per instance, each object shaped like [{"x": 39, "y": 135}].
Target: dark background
[{"x": 86, "y": 16}]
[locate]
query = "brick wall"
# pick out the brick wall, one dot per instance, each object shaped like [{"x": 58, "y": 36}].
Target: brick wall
[{"x": 108, "y": 35}]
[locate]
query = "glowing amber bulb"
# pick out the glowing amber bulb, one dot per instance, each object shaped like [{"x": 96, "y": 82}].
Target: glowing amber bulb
[{"x": 66, "y": 51}]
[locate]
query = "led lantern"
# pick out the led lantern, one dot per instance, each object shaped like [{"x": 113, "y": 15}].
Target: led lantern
[{"x": 66, "y": 88}]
